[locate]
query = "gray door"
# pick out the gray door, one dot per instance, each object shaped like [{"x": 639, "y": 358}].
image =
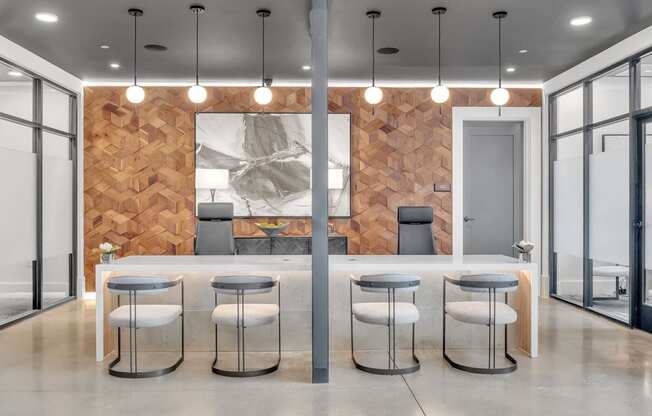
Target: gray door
[{"x": 493, "y": 186}]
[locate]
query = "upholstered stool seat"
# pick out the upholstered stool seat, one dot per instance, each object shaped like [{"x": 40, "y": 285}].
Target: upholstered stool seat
[
  {"x": 476, "y": 312},
  {"x": 147, "y": 316},
  {"x": 242, "y": 315},
  {"x": 377, "y": 313},
  {"x": 134, "y": 316},
  {"x": 489, "y": 313},
  {"x": 255, "y": 314},
  {"x": 388, "y": 313}
]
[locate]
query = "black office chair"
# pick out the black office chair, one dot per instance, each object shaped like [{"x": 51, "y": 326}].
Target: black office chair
[
  {"x": 214, "y": 229},
  {"x": 415, "y": 231}
]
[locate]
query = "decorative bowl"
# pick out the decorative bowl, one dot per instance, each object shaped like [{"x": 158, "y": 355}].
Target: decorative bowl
[{"x": 272, "y": 230}]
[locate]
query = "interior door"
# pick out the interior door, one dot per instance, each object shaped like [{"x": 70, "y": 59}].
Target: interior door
[
  {"x": 493, "y": 186},
  {"x": 644, "y": 135}
]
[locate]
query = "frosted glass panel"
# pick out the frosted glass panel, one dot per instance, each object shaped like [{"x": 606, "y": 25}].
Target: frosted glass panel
[
  {"x": 16, "y": 137},
  {"x": 609, "y": 195},
  {"x": 56, "y": 108},
  {"x": 569, "y": 109},
  {"x": 57, "y": 217},
  {"x": 568, "y": 213},
  {"x": 647, "y": 281},
  {"x": 611, "y": 94},
  {"x": 18, "y": 236}
]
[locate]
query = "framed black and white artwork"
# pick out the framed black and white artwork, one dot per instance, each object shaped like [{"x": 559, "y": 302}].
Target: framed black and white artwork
[{"x": 261, "y": 162}]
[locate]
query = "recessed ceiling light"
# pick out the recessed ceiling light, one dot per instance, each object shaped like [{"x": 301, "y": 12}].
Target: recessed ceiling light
[
  {"x": 104, "y": 46},
  {"x": 306, "y": 67},
  {"x": 523, "y": 51},
  {"x": 15, "y": 74},
  {"x": 114, "y": 65},
  {"x": 581, "y": 21},
  {"x": 510, "y": 69},
  {"x": 46, "y": 17}
]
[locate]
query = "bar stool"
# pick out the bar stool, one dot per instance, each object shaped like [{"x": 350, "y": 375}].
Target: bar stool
[
  {"x": 242, "y": 315},
  {"x": 136, "y": 316},
  {"x": 490, "y": 314},
  {"x": 389, "y": 314}
]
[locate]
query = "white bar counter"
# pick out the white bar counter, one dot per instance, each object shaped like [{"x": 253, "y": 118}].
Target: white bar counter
[{"x": 297, "y": 275}]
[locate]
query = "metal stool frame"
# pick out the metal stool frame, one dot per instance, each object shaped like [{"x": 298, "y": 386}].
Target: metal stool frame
[
  {"x": 240, "y": 289},
  {"x": 491, "y": 287},
  {"x": 133, "y": 289},
  {"x": 392, "y": 367}
]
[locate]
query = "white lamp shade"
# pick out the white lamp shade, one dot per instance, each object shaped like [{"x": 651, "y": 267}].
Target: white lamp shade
[
  {"x": 211, "y": 179},
  {"x": 197, "y": 94},
  {"x": 135, "y": 94},
  {"x": 263, "y": 95},
  {"x": 373, "y": 95},
  {"x": 335, "y": 179},
  {"x": 439, "y": 94},
  {"x": 500, "y": 96}
]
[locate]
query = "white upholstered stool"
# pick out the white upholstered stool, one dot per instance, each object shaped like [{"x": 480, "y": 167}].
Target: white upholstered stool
[
  {"x": 489, "y": 313},
  {"x": 134, "y": 317},
  {"x": 242, "y": 315},
  {"x": 389, "y": 314}
]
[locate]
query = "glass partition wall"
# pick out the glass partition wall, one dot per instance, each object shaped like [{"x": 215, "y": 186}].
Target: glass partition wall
[
  {"x": 38, "y": 184},
  {"x": 593, "y": 170}
]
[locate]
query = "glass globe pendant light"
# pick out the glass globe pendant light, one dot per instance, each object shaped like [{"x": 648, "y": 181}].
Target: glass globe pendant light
[
  {"x": 500, "y": 95},
  {"x": 135, "y": 93},
  {"x": 197, "y": 94},
  {"x": 263, "y": 94},
  {"x": 373, "y": 95},
  {"x": 439, "y": 93}
]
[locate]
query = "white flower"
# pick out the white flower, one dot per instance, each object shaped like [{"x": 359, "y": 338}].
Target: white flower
[
  {"x": 524, "y": 246},
  {"x": 107, "y": 247}
]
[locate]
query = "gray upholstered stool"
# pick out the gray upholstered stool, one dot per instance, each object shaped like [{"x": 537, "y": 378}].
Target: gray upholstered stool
[
  {"x": 134, "y": 316},
  {"x": 242, "y": 315},
  {"x": 389, "y": 314},
  {"x": 489, "y": 313}
]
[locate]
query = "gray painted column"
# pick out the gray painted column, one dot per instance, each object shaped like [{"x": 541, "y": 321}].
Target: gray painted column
[{"x": 319, "y": 63}]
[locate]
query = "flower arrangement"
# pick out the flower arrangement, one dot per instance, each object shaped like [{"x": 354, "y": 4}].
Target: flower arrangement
[
  {"x": 524, "y": 246},
  {"x": 108, "y": 248},
  {"x": 524, "y": 249},
  {"x": 108, "y": 251}
]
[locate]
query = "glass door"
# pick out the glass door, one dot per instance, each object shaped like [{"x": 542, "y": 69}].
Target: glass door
[{"x": 644, "y": 135}]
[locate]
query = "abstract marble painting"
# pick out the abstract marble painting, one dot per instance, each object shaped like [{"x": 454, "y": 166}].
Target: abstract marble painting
[{"x": 268, "y": 158}]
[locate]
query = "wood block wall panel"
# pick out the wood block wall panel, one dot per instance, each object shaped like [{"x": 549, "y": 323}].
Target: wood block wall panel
[{"x": 139, "y": 164}]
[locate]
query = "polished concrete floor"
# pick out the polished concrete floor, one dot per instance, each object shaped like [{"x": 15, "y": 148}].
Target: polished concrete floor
[{"x": 588, "y": 366}]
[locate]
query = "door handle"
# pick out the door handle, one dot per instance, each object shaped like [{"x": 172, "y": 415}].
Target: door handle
[{"x": 468, "y": 219}]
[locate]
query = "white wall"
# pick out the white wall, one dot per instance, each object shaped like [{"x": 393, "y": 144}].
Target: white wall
[
  {"x": 33, "y": 63},
  {"x": 622, "y": 50}
]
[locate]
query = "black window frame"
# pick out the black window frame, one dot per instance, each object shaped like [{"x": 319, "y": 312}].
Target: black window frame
[{"x": 38, "y": 128}]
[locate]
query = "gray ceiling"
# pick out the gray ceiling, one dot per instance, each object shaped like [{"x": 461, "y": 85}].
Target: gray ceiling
[{"x": 230, "y": 37}]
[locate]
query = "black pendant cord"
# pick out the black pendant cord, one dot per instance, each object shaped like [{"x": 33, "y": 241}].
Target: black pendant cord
[
  {"x": 135, "y": 47},
  {"x": 373, "y": 53},
  {"x": 438, "y": 49},
  {"x": 263, "y": 54},
  {"x": 500, "y": 54},
  {"x": 197, "y": 48}
]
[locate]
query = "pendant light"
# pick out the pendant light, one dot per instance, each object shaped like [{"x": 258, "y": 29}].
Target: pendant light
[
  {"x": 500, "y": 95},
  {"x": 197, "y": 94},
  {"x": 135, "y": 93},
  {"x": 373, "y": 94},
  {"x": 439, "y": 93},
  {"x": 263, "y": 94}
]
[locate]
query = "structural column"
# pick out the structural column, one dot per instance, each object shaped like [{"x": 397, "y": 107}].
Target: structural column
[{"x": 319, "y": 63}]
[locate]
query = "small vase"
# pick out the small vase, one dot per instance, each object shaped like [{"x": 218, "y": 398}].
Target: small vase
[
  {"x": 107, "y": 258},
  {"x": 524, "y": 257}
]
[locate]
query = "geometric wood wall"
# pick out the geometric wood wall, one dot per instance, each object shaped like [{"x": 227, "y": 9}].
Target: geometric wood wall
[{"x": 139, "y": 164}]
